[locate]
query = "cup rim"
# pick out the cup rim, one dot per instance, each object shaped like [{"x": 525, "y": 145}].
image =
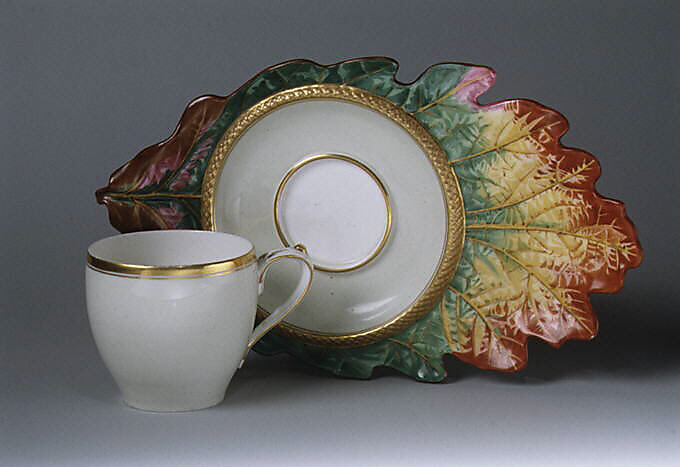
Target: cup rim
[{"x": 173, "y": 271}]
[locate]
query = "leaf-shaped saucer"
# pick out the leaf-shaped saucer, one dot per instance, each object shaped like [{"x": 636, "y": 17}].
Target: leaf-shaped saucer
[{"x": 438, "y": 225}]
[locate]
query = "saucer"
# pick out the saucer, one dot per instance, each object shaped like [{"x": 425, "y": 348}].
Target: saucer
[{"x": 358, "y": 182}]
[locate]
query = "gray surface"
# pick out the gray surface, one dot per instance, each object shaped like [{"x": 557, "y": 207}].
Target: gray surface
[{"x": 84, "y": 86}]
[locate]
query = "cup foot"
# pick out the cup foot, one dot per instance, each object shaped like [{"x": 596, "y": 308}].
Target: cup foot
[{"x": 167, "y": 407}]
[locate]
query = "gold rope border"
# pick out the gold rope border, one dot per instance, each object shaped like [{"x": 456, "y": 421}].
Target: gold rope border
[{"x": 455, "y": 234}]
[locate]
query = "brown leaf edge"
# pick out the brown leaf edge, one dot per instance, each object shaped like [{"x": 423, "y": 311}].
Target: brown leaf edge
[{"x": 153, "y": 164}]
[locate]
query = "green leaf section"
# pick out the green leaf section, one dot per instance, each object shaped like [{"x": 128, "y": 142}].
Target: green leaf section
[
  {"x": 417, "y": 352},
  {"x": 461, "y": 313}
]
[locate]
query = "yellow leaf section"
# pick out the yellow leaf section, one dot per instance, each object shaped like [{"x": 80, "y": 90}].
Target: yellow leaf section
[
  {"x": 519, "y": 165},
  {"x": 536, "y": 275},
  {"x": 515, "y": 294},
  {"x": 574, "y": 252},
  {"x": 542, "y": 242}
]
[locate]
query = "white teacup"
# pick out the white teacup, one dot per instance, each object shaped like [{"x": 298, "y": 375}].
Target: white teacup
[{"x": 172, "y": 312}]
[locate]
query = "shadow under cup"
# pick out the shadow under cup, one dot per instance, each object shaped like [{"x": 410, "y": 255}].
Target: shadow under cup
[{"x": 171, "y": 313}]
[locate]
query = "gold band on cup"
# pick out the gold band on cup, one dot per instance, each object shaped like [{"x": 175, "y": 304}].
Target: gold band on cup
[{"x": 189, "y": 271}]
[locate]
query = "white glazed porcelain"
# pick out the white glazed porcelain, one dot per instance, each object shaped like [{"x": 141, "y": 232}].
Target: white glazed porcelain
[
  {"x": 337, "y": 211},
  {"x": 172, "y": 312}
]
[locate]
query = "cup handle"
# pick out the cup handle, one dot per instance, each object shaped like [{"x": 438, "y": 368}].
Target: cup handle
[{"x": 298, "y": 253}]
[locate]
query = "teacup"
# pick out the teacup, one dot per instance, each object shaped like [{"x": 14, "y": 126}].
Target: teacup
[{"x": 172, "y": 312}]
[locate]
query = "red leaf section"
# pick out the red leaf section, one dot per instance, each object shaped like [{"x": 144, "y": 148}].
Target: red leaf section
[{"x": 152, "y": 165}]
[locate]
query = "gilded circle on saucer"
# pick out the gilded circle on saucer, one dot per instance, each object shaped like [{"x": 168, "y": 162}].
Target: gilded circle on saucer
[{"x": 383, "y": 218}]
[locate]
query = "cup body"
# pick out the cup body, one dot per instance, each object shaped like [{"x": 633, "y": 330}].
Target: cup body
[{"x": 173, "y": 335}]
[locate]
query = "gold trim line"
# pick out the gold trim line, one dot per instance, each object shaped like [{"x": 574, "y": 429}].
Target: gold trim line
[{"x": 187, "y": 271}]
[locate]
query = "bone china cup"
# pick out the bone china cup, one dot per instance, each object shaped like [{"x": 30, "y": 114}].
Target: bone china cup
[{"x": 172, "y": 312}]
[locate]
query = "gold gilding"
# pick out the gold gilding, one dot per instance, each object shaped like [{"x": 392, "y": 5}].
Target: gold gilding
[{"x": 189, "y": 271}]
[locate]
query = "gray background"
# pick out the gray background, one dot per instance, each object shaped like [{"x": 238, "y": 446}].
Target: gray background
[{"x": 85, "y": 85}]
